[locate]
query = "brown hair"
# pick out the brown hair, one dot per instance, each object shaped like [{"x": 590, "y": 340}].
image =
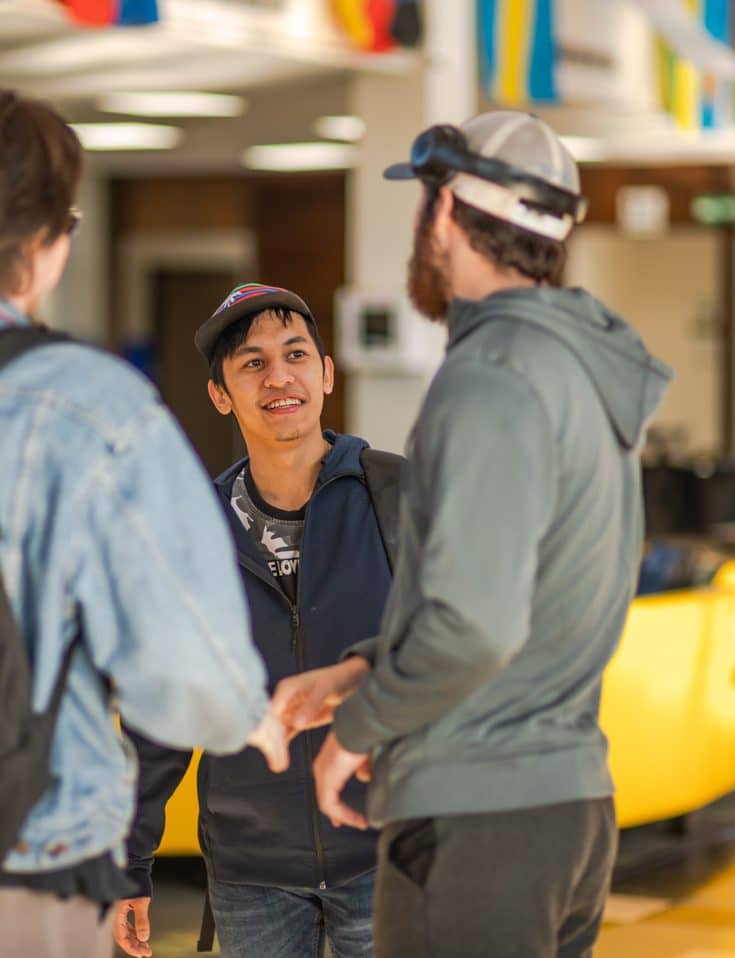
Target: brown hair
[
  {"x": 503, "y": 244},
  {"x": 40, "y": 167}
]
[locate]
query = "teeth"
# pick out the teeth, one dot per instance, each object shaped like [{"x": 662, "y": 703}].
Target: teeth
[{"x": 283, "y": 402}]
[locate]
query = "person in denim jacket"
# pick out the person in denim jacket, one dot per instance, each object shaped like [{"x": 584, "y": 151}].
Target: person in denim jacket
[{"x": 92, "y": 547}]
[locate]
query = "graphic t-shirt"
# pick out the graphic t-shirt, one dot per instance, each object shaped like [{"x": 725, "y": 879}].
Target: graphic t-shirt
[{"x": 277, "y": 533}]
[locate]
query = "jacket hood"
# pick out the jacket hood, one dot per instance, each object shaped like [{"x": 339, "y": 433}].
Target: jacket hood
[
  {"x": 343, "y": 460},
  {"x": 629, "y": 380}
]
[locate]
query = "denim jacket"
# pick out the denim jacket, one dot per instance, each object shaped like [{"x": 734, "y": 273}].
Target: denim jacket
[{"x": 109, "y": 530}]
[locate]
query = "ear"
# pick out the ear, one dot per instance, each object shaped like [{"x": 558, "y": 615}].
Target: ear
[
  {"x": 328, "y": 375},
  {"x": 443, "y": 221},
  {"x": 31, "y": 251},
  {"x": 220, "y": 400}
]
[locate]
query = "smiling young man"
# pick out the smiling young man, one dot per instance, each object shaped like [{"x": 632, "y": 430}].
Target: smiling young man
[{"x": 316, "y": 574}]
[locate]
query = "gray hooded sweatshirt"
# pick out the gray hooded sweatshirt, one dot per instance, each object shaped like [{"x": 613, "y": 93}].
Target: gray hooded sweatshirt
[{"x": 519, "y": 545}]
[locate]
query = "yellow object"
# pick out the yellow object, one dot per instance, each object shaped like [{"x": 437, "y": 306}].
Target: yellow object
[
  {"x": 182, "y": 813},
  {"x": 668, "y": 702},
  {"x": 668, "y": 709}
]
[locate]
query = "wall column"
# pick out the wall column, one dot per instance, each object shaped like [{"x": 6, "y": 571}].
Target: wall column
[{"x": 382, "y": 406}]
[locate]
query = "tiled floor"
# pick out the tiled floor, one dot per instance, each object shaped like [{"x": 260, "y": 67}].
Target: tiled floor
[
  {"x": 697, "y": 924},
  {"x": 666, "y": 902}
]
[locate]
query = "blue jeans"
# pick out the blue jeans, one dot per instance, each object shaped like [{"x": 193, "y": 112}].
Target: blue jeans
[{"x": 263, "y": 921}]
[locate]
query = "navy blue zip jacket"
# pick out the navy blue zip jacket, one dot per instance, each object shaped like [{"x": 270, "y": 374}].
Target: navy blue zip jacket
[{"x": 256, "y": 827}]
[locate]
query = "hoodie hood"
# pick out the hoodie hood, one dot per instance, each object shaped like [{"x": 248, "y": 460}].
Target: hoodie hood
[
  {"x": 343, "y": 460},
  {"x": 629, "y": 380}
]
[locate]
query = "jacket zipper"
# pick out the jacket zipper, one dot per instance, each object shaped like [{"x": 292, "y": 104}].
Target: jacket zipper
[{"x": 298, "y": 648}]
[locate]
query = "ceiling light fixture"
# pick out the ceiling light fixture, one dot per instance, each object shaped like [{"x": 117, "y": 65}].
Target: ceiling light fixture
[
  {"x": 127, "y": 136},
  {"x": 348, "y": 129},
  {"x": 300, "y": 157},
  {"x": 172, "y": 103}
]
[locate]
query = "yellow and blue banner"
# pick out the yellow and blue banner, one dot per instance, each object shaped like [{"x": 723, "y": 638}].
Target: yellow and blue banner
[
  {"x": 517, "y": 50},
  {"x": 105, "y": 13},
  {"x": 694, "y": 99}
]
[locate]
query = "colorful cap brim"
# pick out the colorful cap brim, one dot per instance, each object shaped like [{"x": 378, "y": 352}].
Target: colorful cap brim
[{"x": 245, "y": 301}]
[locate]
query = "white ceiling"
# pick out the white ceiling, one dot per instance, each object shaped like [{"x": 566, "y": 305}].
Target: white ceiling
[
  {"x": 293, "y": 65},
  {"x": 263, "y": 49}
]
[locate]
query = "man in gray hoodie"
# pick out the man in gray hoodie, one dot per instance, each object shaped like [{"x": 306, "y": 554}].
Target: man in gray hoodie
[{"x": 521, "y": 526}]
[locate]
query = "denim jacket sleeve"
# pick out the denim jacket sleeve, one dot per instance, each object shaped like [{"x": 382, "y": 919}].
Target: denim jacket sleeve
[{"x": 161, "y": 601}]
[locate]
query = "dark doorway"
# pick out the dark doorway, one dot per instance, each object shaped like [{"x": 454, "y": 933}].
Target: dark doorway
[
  {"x": 300, "y": 225},
  {"x": 182, "y": 300}
]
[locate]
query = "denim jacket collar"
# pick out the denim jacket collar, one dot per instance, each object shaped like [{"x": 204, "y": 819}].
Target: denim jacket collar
[{"x": 11, "y": 316}]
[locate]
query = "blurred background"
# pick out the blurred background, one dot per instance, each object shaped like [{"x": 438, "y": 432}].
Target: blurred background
[
  {"x": 233, "y": 141},
  {"x": 239, "y": 140}
]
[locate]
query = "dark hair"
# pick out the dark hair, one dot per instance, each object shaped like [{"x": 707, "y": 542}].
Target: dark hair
[
  {"x": 236, "y": 334},
  {"x": 40, "y": 167},
  {"x": 504, "y": 244}
]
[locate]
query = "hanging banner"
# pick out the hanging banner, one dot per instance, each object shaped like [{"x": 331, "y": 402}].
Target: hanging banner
[
  {"x": 376, "y": 26},
  {"x": 695, "y": 96},
  {"x": 406, "y": 26},
  {"x": 680, "y": 26},
  {"x": 517, "y": 50},
  {"x": 367, "y": 22},
  {"x": 105, "y": 13}
]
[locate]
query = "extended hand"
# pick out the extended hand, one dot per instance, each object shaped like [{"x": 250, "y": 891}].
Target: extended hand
[
  {"x": 309, "y": 699},
  {"x": 270, "y": 737},
  {"x": 333, "y": 768},
  {"x": 133, "y": 938}
]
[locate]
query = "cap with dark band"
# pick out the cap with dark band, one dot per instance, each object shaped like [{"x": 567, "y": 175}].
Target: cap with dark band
[
  {"x": 506, "y": 163},
  {"x": 245, "y": 300}
]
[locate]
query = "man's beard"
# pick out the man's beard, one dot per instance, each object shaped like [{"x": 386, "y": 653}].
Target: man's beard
[{"x": 427, "y": 273}]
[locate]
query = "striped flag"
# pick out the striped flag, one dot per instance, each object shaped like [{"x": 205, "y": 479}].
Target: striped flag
[
  {"x": 134, "y": 13},
  {"x": 695, "y": 99},
  {"x": 367, "y": 22},
  {"x": 104, "y": 13},
  {"x": 517, "y": 50}
]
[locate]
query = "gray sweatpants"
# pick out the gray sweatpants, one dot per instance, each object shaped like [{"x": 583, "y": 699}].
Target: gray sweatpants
[
  {"x": 530, "y": 883},
  {"x": 42, "y": 925}
]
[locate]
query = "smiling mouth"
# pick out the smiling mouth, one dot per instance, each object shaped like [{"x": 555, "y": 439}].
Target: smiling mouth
[{"x": 283, "y": 404}]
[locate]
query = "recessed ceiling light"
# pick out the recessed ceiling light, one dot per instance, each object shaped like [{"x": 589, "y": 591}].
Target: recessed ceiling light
[
  {"x": 172, "y": 103},
  {"x": 127, "y": 136},
  {"x": 349, "y": 129},
  {"x": 300, "y": 157}
]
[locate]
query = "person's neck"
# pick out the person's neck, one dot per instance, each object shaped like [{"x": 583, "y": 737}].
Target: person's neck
[
  {"x": 285, "y": 477},
  {"x": 474, "y": 277}
]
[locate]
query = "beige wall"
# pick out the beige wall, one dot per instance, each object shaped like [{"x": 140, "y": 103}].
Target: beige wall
[{"x": 667, "y": 289}]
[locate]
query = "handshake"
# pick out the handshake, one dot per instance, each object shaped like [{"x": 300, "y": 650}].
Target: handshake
[{"x": 307, "y": 701}]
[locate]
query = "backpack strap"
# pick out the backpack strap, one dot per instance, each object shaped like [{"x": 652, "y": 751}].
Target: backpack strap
[
  {"x": 383, "y": 478},
  {"x": 9, "y": 628},
  {"x": 206, "y": 932},
  {"x": 16, "y": 340}
]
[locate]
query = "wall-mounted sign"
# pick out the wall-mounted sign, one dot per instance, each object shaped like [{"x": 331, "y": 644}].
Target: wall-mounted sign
[
  {"x": 714, "y": 209},
  {"x": 642, "y": 212},
  {"x": 383, "y": 333}
]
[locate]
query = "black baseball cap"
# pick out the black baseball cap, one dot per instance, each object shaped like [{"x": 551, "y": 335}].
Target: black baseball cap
[{"x": 245, "y": 300}]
